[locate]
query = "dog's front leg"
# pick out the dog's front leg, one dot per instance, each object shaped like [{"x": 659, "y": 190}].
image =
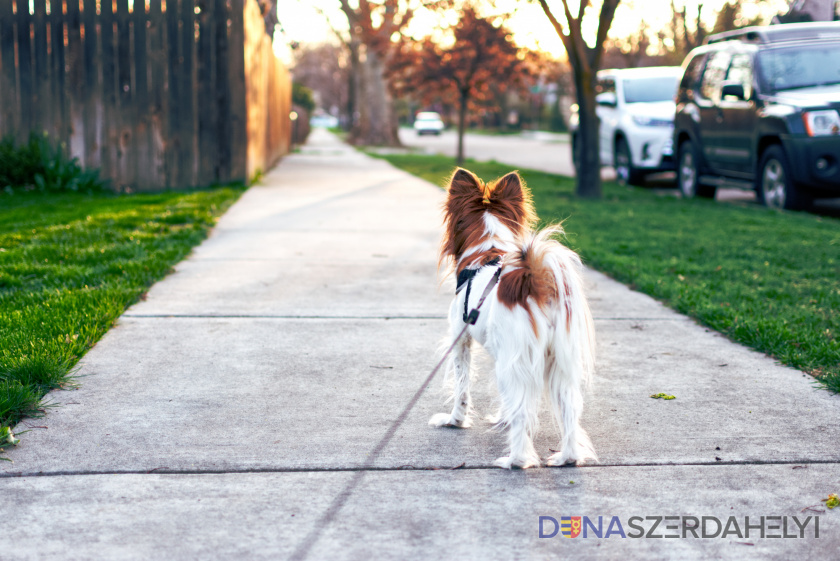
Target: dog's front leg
[{"x": 460, "y": 363}]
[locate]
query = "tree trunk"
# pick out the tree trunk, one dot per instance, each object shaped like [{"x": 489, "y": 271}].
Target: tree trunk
[
  {"x": 589, "y": 169},
  {"x": 354, "y": 87},
  {"x": 462, "y": 124},
  {"x": 376, "y": 124}
]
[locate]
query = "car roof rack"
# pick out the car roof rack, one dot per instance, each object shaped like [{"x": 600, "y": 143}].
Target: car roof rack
[{"x": 778, "y": 33}]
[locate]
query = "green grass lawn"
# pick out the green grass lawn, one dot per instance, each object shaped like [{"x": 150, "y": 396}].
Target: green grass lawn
[
  {"x": 767, "y": 279},
  {"x": 70, "y": 264},
  {"x": 492, "y": 131}
]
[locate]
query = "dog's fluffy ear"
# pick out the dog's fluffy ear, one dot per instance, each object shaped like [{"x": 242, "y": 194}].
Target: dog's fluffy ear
[
  {"x": 511, "y": 201},
  {"x": 509, "y": 187},
  {"x": 464, "y": 182}
]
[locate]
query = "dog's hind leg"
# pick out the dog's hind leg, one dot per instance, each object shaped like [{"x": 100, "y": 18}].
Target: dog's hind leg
[
  {"x": 460, "y": 364},
  {"x": 567, "y": 405},
  {"x": 520, "y": 400}
]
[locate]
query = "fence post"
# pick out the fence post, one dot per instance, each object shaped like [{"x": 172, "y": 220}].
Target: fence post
[
  {"x": 208, "y": 142},
  {"x": 236, "y": 89},
  {"x": 157, "y": 116},
  {"x": 142, "y": 170},
  {"x": 74, "y": 84},
  {"x": 59, "y": 128},
  {"x": 24, "y": 67},
  {"x": 9, "y": 107},
  {"x": 92, "y": 92}
]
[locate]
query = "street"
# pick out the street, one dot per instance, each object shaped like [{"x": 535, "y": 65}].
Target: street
[{"x": 551, "y": 152}]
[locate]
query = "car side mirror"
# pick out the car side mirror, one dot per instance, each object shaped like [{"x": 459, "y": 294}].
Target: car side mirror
[
  {"x": 606, "y": 99},
  {"x": 733, "y": 89}
]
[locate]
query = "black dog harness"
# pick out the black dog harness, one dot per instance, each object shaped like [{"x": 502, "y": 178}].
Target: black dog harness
[{"x": 466, "y": 277}]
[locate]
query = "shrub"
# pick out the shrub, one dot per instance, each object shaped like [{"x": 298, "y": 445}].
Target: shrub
[
  {"x": 38, "y": 165},
  {"x": 302, "y": 96}
]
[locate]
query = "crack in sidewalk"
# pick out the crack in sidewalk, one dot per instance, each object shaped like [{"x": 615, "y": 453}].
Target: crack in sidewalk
[
  {"x": 269, "y": 316},
  {"x": 404, "y": 468},
  {"x": 291, "y": 316},
  {"x": 302, "y": 550}
]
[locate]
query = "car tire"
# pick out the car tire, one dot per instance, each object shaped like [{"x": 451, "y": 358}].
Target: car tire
[
  {"x": 625, "y": 172},
  {"x": 775, "y": 187},
  {"x": 688, "y": 174}
]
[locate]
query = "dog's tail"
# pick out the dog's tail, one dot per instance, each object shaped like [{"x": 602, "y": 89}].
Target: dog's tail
[
  {"x": 549, "y": 276},
  {"x": 546, "y": 275}
]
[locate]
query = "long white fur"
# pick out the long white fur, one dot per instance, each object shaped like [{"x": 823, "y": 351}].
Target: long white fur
[{"x": 530, "y": 363}]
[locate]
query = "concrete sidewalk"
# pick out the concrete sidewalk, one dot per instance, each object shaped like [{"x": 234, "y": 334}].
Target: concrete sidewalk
[{"x": 266, "y": 401}]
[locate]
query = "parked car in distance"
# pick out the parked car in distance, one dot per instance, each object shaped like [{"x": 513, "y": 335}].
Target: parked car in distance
[
  {"x": 759, "y": 108},
  {"x": 636, "y": 112},
  {"x": 428, "y": 122}
]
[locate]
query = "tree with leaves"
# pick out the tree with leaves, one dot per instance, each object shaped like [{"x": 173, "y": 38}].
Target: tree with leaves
[
  {"x": 585, "y": 62},
  {"x": 375, "y": 33},
  {"x": 476, "y": 62}
]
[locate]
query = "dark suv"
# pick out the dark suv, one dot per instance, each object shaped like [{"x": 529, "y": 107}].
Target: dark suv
[{"x": 760, "y": 108}]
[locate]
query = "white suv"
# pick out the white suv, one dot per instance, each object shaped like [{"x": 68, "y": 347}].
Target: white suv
[{"x": 636, "y": 109}]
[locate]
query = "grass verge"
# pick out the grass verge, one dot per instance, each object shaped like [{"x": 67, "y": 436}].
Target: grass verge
[
  {"x": 340, "y": 133},
  {"x": 764, "y": 278},
  {"x": 70, "y": 263},
  {"x": 495, "y": 132}
]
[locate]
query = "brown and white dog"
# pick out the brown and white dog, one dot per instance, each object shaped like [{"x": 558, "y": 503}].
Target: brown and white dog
[{"x": 535, "y": 322}]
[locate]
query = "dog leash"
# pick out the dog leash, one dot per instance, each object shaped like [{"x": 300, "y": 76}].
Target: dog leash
[
  {"x": 340, "y": 500},
  {"x": 469, "y": 319}
]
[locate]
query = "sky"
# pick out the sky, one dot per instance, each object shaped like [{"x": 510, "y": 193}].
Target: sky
[{"x": 304, "y": 21}]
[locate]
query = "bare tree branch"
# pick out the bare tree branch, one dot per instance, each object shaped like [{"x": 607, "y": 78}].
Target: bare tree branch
[
  {"x": 567, "y": 43},
  {"x": 604, "y": 22},
  {"x": 582, "y": 8},
  {"x": 336, "y": 32}
]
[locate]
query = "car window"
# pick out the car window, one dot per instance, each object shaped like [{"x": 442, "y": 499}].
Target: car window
[
  {"x": 646, "y": 90},
  {"x": 740, "y": 71},
  {"x": 714, "y": 75},
  {"x": 605, "y": 85},
  {"x": 693, "y": 72},
  {"x": 799, "y": 67}
]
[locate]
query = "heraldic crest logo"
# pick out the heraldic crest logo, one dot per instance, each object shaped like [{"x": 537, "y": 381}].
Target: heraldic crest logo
[{"x": 570, "y": 526}]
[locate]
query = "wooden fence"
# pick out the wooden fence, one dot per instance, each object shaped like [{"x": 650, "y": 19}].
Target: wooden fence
[{"x": 155, "y": 93}]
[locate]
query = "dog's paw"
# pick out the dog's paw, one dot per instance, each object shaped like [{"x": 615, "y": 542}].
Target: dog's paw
[
  {"x": 566, "y": 458},
  {"x": 560, "y": 459},
  {"x": 510, "y": 462},
  {"x": 447, "y": 420}
]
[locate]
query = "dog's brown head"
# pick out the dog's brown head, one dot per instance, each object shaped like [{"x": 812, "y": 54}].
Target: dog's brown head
[{"x": 507, "y": 199}]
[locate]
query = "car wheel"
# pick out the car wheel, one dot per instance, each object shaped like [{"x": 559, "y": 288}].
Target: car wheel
[
  {"x": 688, "y": 176},
  {"x": 775, "y": 187},
  {"x": 625, "y": 173}
]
